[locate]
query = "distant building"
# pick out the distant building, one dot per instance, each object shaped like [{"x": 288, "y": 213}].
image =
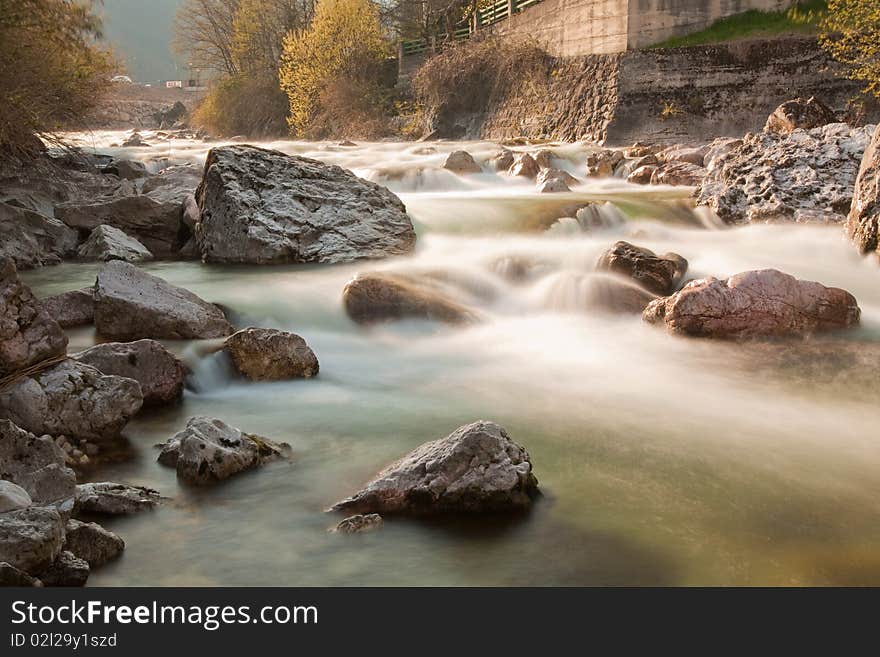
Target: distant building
[{"x": 174, "y": 84}]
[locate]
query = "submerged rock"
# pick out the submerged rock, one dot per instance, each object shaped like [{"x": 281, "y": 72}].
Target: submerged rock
[
  {"x": 863, "y": 222},
  {"x": 72, "y": 399},
  {"x": 799, "y": 114},
  {"x": 27, "y": 334},
  {"x": 131, "y": 304},
  {"x": 771, "y": 177},
  {"x": 524, "y": 166},
  {"x": 35, "y": 464},
  {"x": 658, "y": 274},
  {"x": 360, "y": 524},
  {"x": 477, "y": 468},
  {"x": 111, "y": 499},
  {"x": 603, "y": 164},
  {"x": 108, "y": 243},
  {"x": 461, "y": 162},
  {"x": 31, "y": 539},
  {"x": 71, "y": 309},
  {"x": 754, "y": 304},
  {"x": 265, "y": 207},
  {"x": 33, "y": 240},
  {"x": 270, "y": 355},
  {"x": 92, "y": 543},
  {"x": 378, "y": 297},
  {"x": 210, "y": 450},
  {"x": 160, "y": 373}
]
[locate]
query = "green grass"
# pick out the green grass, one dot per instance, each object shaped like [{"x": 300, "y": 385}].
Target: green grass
[{"x": 800, "y": 19}]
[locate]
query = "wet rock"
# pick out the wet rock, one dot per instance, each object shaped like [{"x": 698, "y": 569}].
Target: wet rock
[
  {"x": 31, "y": 239},
  {"x": 173, "y": 184},
  {"x": 603, "y": 164},
  {"x": 66, "y": 570},
  {"x": 92, "y": 543},
  {"x": 678, "y": 174},
  {"x": 71, "y": 309},
  {"x": 72, "y": 399},
  {"x": 37, "y": 465},
  {"x": 461, "y": 162},
  {"x": 799, "y": 114},
  {"x": 477, "y": 468},
  {"x": 691, "y": 155},
  {"x": 642, "y": 175},
  {"x": 270, "y": 355},
  {"x": 112, "y": 499},
  {"x": 31, "y": 539},
  {"x": 135, "y": 141},
  {"x": 27, "y": 334},
  {"x": 524, "y": 166},
  {"x": 154, "y": 224},
  {"x": 658, "y": 274},
  {"x": 107, "y": 243},
  {"x": 131, "y": 304},
  {"x": 360, "y": 524},
  {"x": 770, "y": 177},
  {"x": 13, "y": 497},
  {"x": 210, "y": 450},
  {"x": 159, "y": 372},
  {"x": 265, "y": 207},
  {"x": 547, "y": 175},
  {"x": 754, "y": 304},
  {"x": 12, "y": 576},
  {"x": 544, "y": 158},
  {"x": 126, "y": 169},
  {"x": 378, "y": 297},
  {"x": 552, "y": 186},
  {"x": 863, "y": 221},
  {"x": 641, "y": 149},
  {"x": 615, "y": 294},
  {"x": 504, "y": 160}
]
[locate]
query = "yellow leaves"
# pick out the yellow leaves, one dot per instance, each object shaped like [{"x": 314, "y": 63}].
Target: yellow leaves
[{"x": 850, "y": 33}]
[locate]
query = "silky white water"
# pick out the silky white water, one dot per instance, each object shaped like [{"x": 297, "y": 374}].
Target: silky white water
[{"x": 662, "y": 460}]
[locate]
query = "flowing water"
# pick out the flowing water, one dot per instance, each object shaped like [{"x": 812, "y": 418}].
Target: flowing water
[{"x": 662, "y": 460}]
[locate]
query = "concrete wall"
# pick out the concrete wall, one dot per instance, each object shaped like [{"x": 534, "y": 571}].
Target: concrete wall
[{"x": 573, "y": 28}]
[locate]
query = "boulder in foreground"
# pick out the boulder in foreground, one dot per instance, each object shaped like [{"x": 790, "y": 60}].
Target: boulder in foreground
[
  {"x": 657, "y": 274},
  {"x": 107, "y": 243},
  {"x": 37, "y": 465},
  {"x": 264, "y": 207},
  {"x": 754, "y": 304},
  {"x": 863, "y": 222},
  {"x": 262, "y": 354},
  {"x": 31, "y": 239},
  {"x": 799, "y": 114},
  {"x": 71, "y": 309},
  {"x": 477, "y": 468},
  {"x": 131, "y": 304},
  {"x": 111, "y": 499}
]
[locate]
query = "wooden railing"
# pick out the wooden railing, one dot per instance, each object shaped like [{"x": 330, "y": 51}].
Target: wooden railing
[{"x": 488, "y": 15}]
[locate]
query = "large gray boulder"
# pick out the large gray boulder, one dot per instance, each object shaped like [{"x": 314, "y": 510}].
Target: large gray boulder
[
  {"x": 159, "y": 372},
  {"x": 32, "y": 239},
  {"x": 209, "y": 450},
  {"x": 262, "y": 354},
  {"x": 72, "y": 399},
  {"x": 31, "y": 539},
  {"x": 27, "y": 334},
  {"x": 131, "y": 304},
  {"x": 107, "y": 243},
  {"x": 111, "y": 499},
  {"x": 37, "y": 465},
  {"x": 795, "y": 177},
  {"x": 91, "y": 542},
  {"x": 477, "y": 468},
  {"x": 754, "y": 304},
  {"x": 863, "y": 222},
  {"x": 265, "y": 207},
  {"x": 71, "y": 309},
  {"x": 67, "y": 570}
]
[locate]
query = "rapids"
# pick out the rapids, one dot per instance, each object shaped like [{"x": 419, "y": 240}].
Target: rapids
[{"x": 662, "y": 460}]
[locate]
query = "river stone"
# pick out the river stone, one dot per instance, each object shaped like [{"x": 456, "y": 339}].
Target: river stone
[
  {"x": 477, "y": 468},
  {"x": 378, "y": 297},
  {"x": 524, "y": 166},
  {"x": 603, "y": 163},
  {"x": 12, "y": 576},
  {"x": 108, "y": 243},
  {"x": 131, "y": 304},
  {"x": 33, "y": 240},
  {"x": 31, "y": 539},
  {"x": 678, "y": 174},
  {"x": 13, "y": 497},
  {"x": 36, "y": 464},
  {"x": 799, "y": 113},
  {"x": 160, "y": 373},
  {"x": 126, "y": 169},
  {"x": 71, "y": 309},
  {"x": 461, "y": 162},
  {"x": 771, "y": 177},
  {"x": 112, "y": 499},
  {"x": 72, "y": 399},
  {"x": 27, "y": 334},
  {"x": 264, "y": 207},
  {"x": 754, "y": 304},
  {"x": 92, "y": 543},
  {"x": 210, "y": 450},
  {"x": 262, "y": 354},
  {"x": 360, "y": 524},
  {"x": 863, "y": 222},
  {"x": 153, "y": 223},
  {"x": 658, "y": 274},
  {"x": 613, "y": 293},
  {"x": 67, "y": 570}
]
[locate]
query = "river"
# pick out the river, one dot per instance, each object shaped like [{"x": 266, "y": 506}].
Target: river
[{"x": 663, "y": 461}]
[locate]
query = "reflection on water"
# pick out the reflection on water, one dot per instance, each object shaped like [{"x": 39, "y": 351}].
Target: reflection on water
[{"x": 663, "y": 461}]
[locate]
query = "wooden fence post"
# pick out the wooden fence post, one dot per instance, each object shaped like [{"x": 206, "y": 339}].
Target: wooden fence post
[{"x": 511, "y": 7}]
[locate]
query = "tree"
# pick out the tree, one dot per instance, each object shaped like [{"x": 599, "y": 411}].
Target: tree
[
  {"x": 52, "y": 72},
  {"x": 259, "y": 28},
  {"x": 203, "y": 31},
  {"x": 333, "y": 69},
  {"x": 850, "y": 33}
]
